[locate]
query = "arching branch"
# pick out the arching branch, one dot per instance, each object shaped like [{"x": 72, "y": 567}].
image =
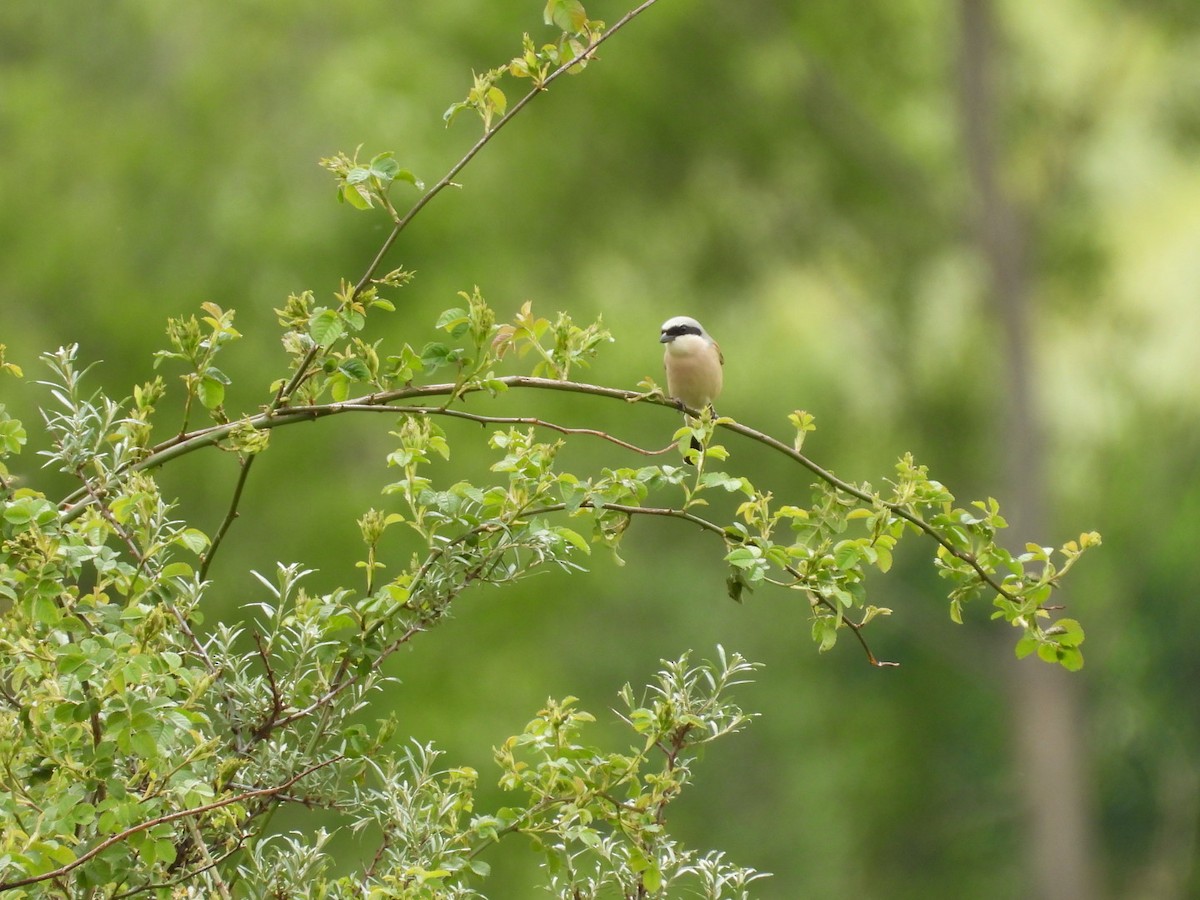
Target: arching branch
[{"x": 385, "y": 401}]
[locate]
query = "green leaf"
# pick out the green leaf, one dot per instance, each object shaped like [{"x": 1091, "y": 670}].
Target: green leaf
[
  {"x": 847, "y": 554},
  {"x": 406, "y": 175},
  {"x": 194, "y": 539},
  {"x": 1067, "y": 632},
  {"x": 652, "y": 878},
  {"x": 176, "y": 570},
  {"x": 956, "y": 611},
  {"x": 453, "y": 110},
  {"x": 743, "y": 557},
  {"x": 872, "y": 611},
  {"x": 728, "y": 482},
  {"x": 573, "y": 537},
  {"x": 1070, "y": 659},
  {"x": 326, "y": 327},
  {"x": 825, "y": 632},
  {"x": 566, "y": 15},
  {"x": 455, "y": 321},
  {"x": 45, "y": 611},
  {"x": 497, "y": 99},
  {"x": 355, "y": 369},
  {"x": 736, "y": 585},
  {"x": 164, "y": 851},
  {"x": 356, "y": 195},
  {"x": 12, "y": 433},
  {"x": 23, "y": 510},
  {"x": 210, "y": 391},
  {"x": 384, "y": 167},
  {"x": 434, "y": 356}
]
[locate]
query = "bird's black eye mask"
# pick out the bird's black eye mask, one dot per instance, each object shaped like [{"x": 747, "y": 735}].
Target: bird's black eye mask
[{"x": 677, "y": 330}]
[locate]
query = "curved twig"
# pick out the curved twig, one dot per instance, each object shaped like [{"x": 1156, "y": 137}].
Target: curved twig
[
  {"x": 230, "y": 516},
  {"x": 537, "y": 423},
  {"x": 713, "y": 527}
]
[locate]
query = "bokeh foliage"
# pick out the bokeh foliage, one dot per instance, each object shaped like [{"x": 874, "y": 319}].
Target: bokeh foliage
[{"x": 790, "y": 174}]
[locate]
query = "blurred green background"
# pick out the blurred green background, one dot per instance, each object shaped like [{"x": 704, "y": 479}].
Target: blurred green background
[{"x": 806, "y": 180}]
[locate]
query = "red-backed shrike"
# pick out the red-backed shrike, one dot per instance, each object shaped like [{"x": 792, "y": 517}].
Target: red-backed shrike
[{"x": 693, "y": 362}]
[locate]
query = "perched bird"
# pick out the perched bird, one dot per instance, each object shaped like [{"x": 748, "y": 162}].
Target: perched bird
[{"x": 693, "y": 362}]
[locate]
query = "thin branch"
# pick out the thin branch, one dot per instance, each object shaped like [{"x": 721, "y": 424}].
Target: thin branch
[
  {"x": 74, "y": 504},
  {"x": 384, "y": 843},
  {"x": 847, "y": 488},
  {"x": 186, "y": 876},
  {"x": 447, "y": 180},
  {"x": 162, "y": 820},
  {"x": 526, "y": 420},
  {"x": 230, "y": 515},
  {"x": 855, "y": 627},
  {"x": 186, "y": 627},
  {"x": 118, "y": 529},
  {"x": 206, "y": 858},
  {"x": 277, "y": 704}
]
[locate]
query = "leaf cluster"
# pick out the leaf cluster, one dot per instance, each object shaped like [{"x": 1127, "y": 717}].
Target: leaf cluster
[
  {"x": 145, "y": 750},
  {"x": 570, "y": 52}
]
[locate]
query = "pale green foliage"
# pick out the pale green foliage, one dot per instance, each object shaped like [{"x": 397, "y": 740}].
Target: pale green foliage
[
  {"x": 125, "y": 719},
  {"x": 145, "y": 750},
  {"x": 570, "y": 53}
]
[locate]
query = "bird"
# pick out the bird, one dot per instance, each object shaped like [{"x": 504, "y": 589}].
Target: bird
[{"x": 693, "y": 362}]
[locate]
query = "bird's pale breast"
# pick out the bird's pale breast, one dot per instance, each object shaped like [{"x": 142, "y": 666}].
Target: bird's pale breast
[{"x": 693, "y": 371}]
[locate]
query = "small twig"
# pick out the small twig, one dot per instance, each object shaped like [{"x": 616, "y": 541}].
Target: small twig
[
  {"x": 230, "y": 515},
  {"x": 384, "y": 843},
  {"x": 117, "y": 527},
  {"x": 206, "y": 858},
  {"x": 276, "y": 698},
  {"x": 186, "y": 876},
  {"x": 186, "y": 627},
  {"x": 162, "y": 820},
  {"x": 716, "y": 529},
  {"x": 529, "y": 420}
]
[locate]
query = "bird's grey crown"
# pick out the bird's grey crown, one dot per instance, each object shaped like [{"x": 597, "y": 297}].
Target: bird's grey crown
[{"x": 680, "y": 325}]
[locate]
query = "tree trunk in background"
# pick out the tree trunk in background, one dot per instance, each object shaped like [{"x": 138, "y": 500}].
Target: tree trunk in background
[{"x": 1049, "y": 760}]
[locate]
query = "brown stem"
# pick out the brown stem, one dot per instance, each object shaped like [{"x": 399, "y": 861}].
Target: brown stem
[{"x": 230, "y": 515}]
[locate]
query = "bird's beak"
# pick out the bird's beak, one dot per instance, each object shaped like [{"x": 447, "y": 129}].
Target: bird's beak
[{"x": 664, "y": 338}]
